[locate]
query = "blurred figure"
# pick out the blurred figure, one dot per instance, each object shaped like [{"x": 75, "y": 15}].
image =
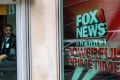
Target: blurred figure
[{"x": 8, "y": 44}]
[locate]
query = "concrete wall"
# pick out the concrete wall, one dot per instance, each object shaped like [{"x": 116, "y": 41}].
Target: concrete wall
[{"x": 44, "y": 39}]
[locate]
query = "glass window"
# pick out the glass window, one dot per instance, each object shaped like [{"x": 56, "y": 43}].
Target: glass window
[
  {"x": 90, "y": 41},
  {"x": 8, "y": 61}
]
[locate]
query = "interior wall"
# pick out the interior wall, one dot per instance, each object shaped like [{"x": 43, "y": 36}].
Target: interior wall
[{"x": 44, "y": 39}]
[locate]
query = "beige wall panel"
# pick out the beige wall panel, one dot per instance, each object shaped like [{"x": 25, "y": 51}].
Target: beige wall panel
[{"x": 43, "y": 38}]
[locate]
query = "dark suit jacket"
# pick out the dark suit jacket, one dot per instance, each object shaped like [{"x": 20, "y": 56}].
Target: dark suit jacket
[{"x": 9, "y": 46}]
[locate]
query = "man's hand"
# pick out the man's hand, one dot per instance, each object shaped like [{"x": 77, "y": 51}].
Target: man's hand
[{"x": 3, "y": 57}]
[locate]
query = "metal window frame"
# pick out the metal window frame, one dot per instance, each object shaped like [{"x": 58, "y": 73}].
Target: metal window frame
[
  {"x": 23, "y": 39},
  {"x": 60, "y": 41}
]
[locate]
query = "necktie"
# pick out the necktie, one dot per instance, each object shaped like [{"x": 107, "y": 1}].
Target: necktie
[{"x": 4, "y": 44}]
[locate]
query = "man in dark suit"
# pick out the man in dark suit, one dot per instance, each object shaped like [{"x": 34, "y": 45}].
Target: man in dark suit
[{"x": 8, "y": 44}]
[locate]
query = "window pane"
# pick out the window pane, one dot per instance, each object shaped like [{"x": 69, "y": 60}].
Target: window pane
[
  {"x": 8, "y": 65},
  {"x": 90, "y": 39}
]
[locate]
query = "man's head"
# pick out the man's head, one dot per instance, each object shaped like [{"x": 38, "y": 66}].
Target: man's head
[{"x": 8, "y": 30}]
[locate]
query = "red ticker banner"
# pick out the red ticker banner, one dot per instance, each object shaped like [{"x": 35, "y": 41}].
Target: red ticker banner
[{"x": 91, "y": 40}]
